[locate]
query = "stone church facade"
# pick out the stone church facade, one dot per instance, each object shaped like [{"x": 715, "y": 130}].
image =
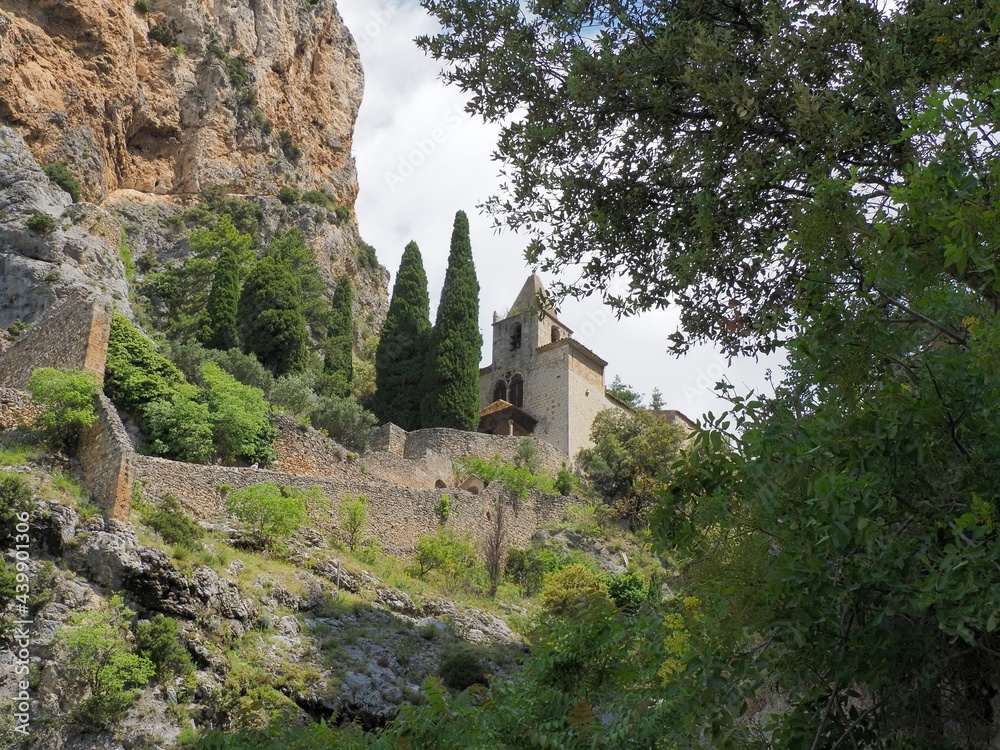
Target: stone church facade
[{"x": 542, "y": 381}]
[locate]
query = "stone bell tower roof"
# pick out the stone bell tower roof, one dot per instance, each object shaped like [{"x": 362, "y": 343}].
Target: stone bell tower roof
[{"x": 528, "y": 298}]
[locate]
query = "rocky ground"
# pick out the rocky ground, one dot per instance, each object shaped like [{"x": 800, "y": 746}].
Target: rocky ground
[{"x": 356, "y": 651}]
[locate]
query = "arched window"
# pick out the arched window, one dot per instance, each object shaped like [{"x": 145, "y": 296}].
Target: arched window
[
  {"x": 500, "y": 391},
  {"x": 515, "y": 393},
  {"x": 556, "y": 334},
  {"x": 515, "y": 337}
]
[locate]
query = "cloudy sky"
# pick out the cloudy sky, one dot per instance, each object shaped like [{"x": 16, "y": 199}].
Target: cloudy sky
[{"x": 421, "y": 158}]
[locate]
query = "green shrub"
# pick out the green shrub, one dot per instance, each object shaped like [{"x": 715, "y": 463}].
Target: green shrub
[
  {"x": 521, "y": 479},
  {"x": 8, "y": 589},
  {"x": 60, "y": 175},
  {"x": 573, "y": 587},
  {"x": 289, "y": 195},
  {"x": 239, "y": 415},
  {"x": 367, "y": 257},
  {"x": 98, "y": 669},
  {"x": 345, "y": 421},
  {"x": 237, "y": 70},
  {"x": 157, "y": 640},
  {"x": 270, "y": 512},
  {"x": 42, "y": 588},
  {"x": 292, "y": 152},
  {"x": 528, "y": 568},
  {"x": 40, "y": 223},
  {"x": 462, "y": 667},
  {"x": 67, "y": 400},
  {"x": 319, "y": 198},
  {"x": 18, "y": 327},
  {"x": 180, "y": 428},
  {"x": 246, "y": 368},
  {"x": 294, "y": 395},
  {"x": 136, "y": 373},
  {"x": 353, "y": 516},
  {"x": 164, "y": 33},
  {"x": 171, "y": 522},
  {"x": 445, "y": 551},
  {"x": 566, "y": 482},
  {"x": 142, "y": 6},
  {"x": 343, "y": 213},
  {"x": 443, "y": 509},
  {"x": 628, "y": 590}
]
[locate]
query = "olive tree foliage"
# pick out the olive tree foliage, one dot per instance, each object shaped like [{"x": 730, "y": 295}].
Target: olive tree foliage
[
  {"x": 271, "y": 513},
  {"x": 683, "y": 143}
]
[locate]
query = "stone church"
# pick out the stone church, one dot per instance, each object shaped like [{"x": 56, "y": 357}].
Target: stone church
[{"x": 542, "y": 382}]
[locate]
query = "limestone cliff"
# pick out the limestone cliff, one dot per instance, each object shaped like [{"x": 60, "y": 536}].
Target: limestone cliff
[{"x": 147, "y": 108}]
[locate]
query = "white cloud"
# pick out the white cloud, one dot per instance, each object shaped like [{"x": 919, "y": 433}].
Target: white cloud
[{"x": 421, "y": 158}]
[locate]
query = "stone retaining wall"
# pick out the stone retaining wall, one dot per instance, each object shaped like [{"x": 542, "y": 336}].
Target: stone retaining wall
[
  {"x": 398, "y": 515},
  {"x": 17, "y": 409},
  {"x": 73, "y": 335},
  {"x": 108, "y": 461}
]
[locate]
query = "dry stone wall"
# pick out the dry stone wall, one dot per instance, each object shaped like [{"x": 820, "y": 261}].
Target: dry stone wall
[
  {"x": 17, "y": 409},
  {"x": 108, "y": 461},
  {"x": 398, "y": 515},
  {"x": 74, "y": 335}
]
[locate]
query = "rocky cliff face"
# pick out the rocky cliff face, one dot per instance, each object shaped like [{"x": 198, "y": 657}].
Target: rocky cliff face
[
  {"x": 178, "y": 110},
  {"x": 148, "y": 109}
]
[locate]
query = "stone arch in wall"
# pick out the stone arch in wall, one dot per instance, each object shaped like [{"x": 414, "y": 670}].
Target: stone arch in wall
[
  {"x": 556, "y": 334},
  {"x": 440, "y": 484},
  {"x": 515, "y": 390},
  {"x": 500, "y": 390},
  {"x": 515, "y": 337}
]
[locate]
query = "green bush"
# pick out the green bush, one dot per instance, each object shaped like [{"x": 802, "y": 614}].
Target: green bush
[
  {"x": 445, "y": 551},
  {"x": 270, "y": 512},
  {"x": 292, "y": 152},
  {"x": 628, "y": 590},
  {"x": 98, "y": 668},
  {"x": 18, "y": 327},
  {"x": 521, "y": 479},
  {"x": 293, "y": 394},
  {"x": 180, "y": 428},
  {"x": 158, "y": 641},
  {"x": 136, "y": 373},
  {"x": 566, "y": 482},
  {"x": 528, "y": 568},
  {"x": 574, "y": 587},
  {"x": 59, "y": 174},
  {"x": 142, "y": 6},
  {"x": 289, "y": 195},
  {"x": 367, "y": 257},
  {"x": 246, "y": 368},
  {"x": 443, "y": 509},
  {"x": 462, "y": 667},
  {"x": 345, "y": 421},
  {"x": 343, "y": 213},
  {"x": 319, "y": 198},
  {"x": 240, "y": 418},
  {"x": 171, "y": 522},
  {"x": 8, "y": 589},
  {"x": 164, "y": 33},
  {"x": 353, "y": 516},
  {"x": 40, "y": 223},
  {"x": 16, "y": 498},
  {"x": 67, "y": 400}
]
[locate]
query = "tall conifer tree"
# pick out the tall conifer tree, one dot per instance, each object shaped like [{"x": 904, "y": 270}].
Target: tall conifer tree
[
  {"x": 271, "y": 318},
  {"x": 402, "y": 347},
  {"x": 338, "y": 365},
  {"x": 223, "y": 302},
  {"x": 451, "y": 376}
]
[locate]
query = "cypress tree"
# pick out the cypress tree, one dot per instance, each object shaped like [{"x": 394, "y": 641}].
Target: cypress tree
[
  {"x": 451, "y": 376},
  {"x": 402, "y": 347},
  {"x": 271, "y": 319},
  {"x": 338, "y": 365},
  {"x": 223, "y": 302}
]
